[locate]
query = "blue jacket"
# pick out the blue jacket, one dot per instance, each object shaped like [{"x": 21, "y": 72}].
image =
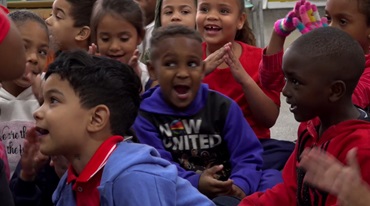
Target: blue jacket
[
  {"x": 211, "y": 131},
  {"x": 136, "y": 175}
]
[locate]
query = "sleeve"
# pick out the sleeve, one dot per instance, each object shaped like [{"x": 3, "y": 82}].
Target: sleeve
[
  {"x": 361, "y": 94},
  {"x": 5, "y": 194},
  {"x": 148, "y": 190},
  {"x": 4, "y": 25},
  {"x": 270, "y": 72},
  {"x": 283, "y": 193},
  {"x": 148, "y": 134},
  {"x": 245, "y": 151},
  {"x": 24, "y": 193}
]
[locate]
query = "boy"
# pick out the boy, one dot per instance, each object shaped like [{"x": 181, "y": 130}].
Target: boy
[
  {"x": 89, "y": 105},
  {"x": 201, "y": 131},
  {"x": 321, "y": 69}
]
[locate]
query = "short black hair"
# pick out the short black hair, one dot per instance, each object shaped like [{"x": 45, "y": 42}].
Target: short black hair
[
  {"x": 99, "y": 80},
  {"x": 163, "y": 33},
  {"x": 21, "y": 16},
  {"x": 335, "y": 51},
  {"x": 81, "y": 11}
]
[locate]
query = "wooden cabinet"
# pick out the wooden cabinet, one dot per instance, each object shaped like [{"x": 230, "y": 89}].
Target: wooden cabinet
[{"x": 42, "y": 8}]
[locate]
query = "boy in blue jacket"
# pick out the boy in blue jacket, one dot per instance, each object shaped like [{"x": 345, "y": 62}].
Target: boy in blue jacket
[
  {"x": 89, "y": 105},
  {"x": 199, "y": 130}
]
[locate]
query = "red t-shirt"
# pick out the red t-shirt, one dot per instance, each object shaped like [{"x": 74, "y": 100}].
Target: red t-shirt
[
  {"x": 85, "y": 185},
  {"x": 223, "y": 81},
  {"x": 4, "y": 25}
]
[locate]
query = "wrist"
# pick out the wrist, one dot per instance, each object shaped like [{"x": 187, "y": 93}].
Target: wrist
[{"x": 27, "y": 176}]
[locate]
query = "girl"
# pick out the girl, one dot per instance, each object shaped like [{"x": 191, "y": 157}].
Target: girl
[
  {"x": 175, "y": 12},
  {"x": 117, "y": 28},
  {"x": 17, "y": 101},
  {"x": 352, "y": 17},
  {"x": 233, "y": 69}
]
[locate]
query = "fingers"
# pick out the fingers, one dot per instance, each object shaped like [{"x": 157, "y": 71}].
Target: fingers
[
  {"x": 352, "y": 160},
  {"x": 31, "y": 135},
  {"x": 92, "y": 49}
]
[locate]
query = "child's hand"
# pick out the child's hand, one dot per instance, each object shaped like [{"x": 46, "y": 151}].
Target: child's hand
[
  {"x": 212, "y": 187},
  {"x": 93, "y": 50},
  {"x": 283, "y": 27},
  {"x": 237, "y": 70},
  {"x": 214, "y": 60},
  {"x": 309, "y": 18},
  {"x": 60, "y": 164},
  {"x": 37, "y": 87},
  {"x": 32, "y": 160},
  {"x": 236, "y": 192},
  {"x": 134, "y": 62}
]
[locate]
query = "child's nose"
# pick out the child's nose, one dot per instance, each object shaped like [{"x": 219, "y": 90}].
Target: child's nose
[
  {"x": 175, "y": 17},
  {"x": 32, "y": 58},
  {"x": 286, "y": 91},
  {"x": 38, "y": 114},
  {"x": 48, "y": 21}
]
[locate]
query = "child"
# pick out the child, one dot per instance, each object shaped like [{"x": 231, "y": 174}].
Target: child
[
  {"x": 217, "y": 152},
  {"x": 321, "y": 69},
  {"x": 97, "y": 100},
  {"x": 17, "y": 102},
  {"x": 69, "y": 24},
  {"x": 175, "y": 12},
  {"x": 356, "y": 23},
  {"x": 233, "y": 70},
  {"x": 344, "y": 181},
  {"x": 117, "y": 28},
  {"x": 11, "y": 48}
]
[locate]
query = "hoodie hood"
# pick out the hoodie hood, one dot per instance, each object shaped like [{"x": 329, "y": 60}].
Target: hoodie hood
[{"x": 154, "y": 102}]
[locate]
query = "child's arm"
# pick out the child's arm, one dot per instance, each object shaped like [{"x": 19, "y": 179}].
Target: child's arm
[
  {"x": 281, "y": 194},
  {"x": 263, "y": 108},
  {"x": 244, "y": 149}
]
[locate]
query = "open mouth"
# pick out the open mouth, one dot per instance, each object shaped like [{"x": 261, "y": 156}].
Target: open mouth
[
  {"x": 292, "y": 108},
  {"x": 40, "y": 131},
  {"x": 117, "y": 57},
  {"x": 212, "y": 28},
  {"x": 182, "y": 90}
]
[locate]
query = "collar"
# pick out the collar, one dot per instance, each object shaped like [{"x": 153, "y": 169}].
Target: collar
[{"x": 97, "y": 161}]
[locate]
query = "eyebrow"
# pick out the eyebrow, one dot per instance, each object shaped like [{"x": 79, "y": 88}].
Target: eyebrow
[
  {"x": 59, "y": 9},
  {"x": 51, "y": 91},
  {"x": 42, "y": 45}
]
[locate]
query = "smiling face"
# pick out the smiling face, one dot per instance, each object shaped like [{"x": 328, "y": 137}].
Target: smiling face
[
  {"x": 117, "y": 38},
  {"x": 306, "y": 88},
  {"x": 346, "y": 15},
  {"x": 179, "y": 69},
  {"x": 218, "y": 20},
  {"x": 178, "y": 12},
  {"x": 61, "y": 121},
  {"x": 61, "y": 26},
  {"x": 36, "y": 42}
]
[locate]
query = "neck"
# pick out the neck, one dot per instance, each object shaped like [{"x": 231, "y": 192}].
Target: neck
[
  {"x": 12, "y": 88},
  {"x": 342, "y": 113},
  {"x": 85, "y": 152}
]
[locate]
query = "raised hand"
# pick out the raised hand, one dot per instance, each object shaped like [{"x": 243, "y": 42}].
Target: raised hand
[
  {"x": 283, "y": 27},
  {"x": 214, "y": 60},
  {"x": 32, "y": 160},
  {"x": 134, "y": 62},
  {"x": 309, "y": 18},
  {"x": 93, "y": 50},
  {"x": 212, "y": 187}
]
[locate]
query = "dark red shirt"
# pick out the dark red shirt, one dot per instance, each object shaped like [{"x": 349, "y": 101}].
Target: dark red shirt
[
  {"x": 4, "y": 25},
  {"x": 85, "y": 185}
]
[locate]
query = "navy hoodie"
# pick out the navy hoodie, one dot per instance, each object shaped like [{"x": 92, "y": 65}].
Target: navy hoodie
[{"x": 210, "y": 131}]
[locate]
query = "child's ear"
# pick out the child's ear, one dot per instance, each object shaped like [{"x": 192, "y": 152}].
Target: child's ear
[
  {"x": 99, "y": 118},
  {"x": 241, "y": 20},
  {"x": 337, "y": 90},
  {"x": 151, "y": 70},
  {"x": 83, "y": 34}
]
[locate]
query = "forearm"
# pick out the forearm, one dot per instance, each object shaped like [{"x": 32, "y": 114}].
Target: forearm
[
  {"x": 263, "y": 109},
  {"x": 275, "y": 45}
]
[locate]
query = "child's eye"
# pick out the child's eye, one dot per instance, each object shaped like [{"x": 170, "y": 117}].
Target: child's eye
[
  {"x": 193, "y": 64},
  {"x": 170, "y": 64},
  {"x": 224, "y": 11},
  {"x": 203, "y": 9},
  {"x": 43, "y": 53},
  {"x": 295, "y": 82},
  {"x": 53, "y": 100},
  {"x": 124, "y": 39},
  {"x": 185, "y": 12},
  {"x": 343, "y": 22},
  {"x": 104, "y": 39},
  {"x": 167, "y": 12}
]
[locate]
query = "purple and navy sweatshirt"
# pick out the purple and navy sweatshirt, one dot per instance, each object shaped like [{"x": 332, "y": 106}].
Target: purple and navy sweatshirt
[{"x": 210, "y": 131}]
